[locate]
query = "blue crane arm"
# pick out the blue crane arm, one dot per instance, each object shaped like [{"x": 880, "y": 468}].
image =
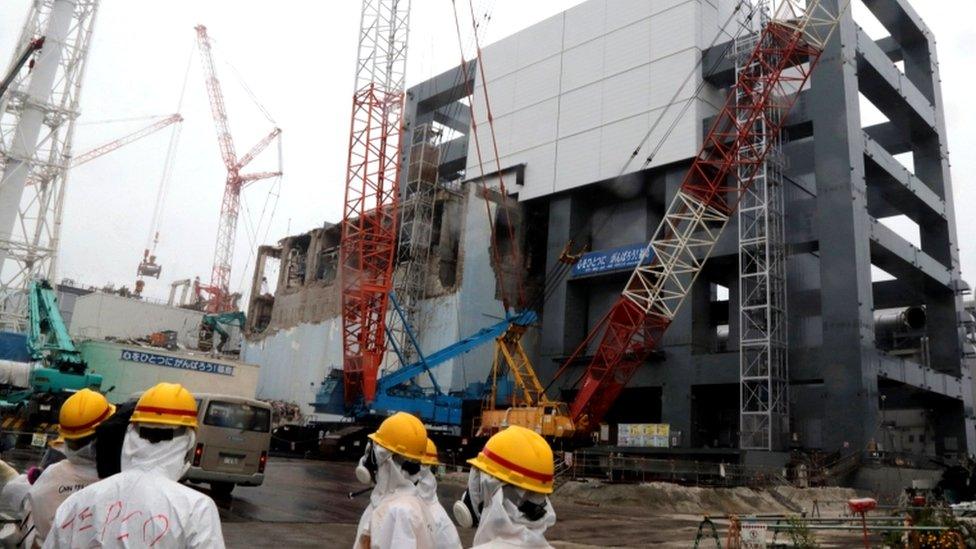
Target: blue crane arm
[
  {"x": 47, "y": 336},
  {"x": 458, "y": 348}
]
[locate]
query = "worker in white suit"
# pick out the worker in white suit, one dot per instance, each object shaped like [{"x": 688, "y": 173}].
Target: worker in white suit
[
  {"x": 445, "y": 533},
  {"x": 508, "y": 487},
  {"x": 396, "y": 517},
  {"x": 144, "y": 505}
]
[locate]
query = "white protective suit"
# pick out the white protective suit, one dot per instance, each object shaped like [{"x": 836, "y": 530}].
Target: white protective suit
[
  {"x": 445, "y": 533},
  {"x": 396, "y": 517},
  {"x": 501, "y": 524},
  {"x": 143, "y": 506},
  {"x": 55, "y": 484},
  {"x": 13, "y": 489}
]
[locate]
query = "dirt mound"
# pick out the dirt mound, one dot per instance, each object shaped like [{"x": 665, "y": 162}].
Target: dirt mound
[{"x": 673, "y": 498}]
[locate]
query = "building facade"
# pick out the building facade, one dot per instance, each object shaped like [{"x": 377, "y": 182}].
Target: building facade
[{"x": 876, "y": 329}]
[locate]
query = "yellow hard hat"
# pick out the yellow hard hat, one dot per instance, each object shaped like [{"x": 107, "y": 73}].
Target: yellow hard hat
[
  {"x": 430, "y": 454},
  {"x": 520, "y": 457},
  {"x": 82, "y": 412},
  {"x": 402, "y": 434},
  {"x": 166, "y": 404}
]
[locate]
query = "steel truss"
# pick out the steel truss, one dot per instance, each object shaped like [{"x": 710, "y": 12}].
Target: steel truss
[
  {"x": 369, "y": 220},
  {"x": 726, "y": 165},
  {"x": 416, "y": 234},
  {"x": 763, "y": 377},
  {"x": 37, "y": 123}
]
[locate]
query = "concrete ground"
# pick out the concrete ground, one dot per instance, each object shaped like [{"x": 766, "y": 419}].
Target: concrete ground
[{"x": 306, "y": 504}]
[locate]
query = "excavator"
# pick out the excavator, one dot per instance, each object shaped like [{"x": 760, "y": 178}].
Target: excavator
[{"x": 58, "y": 369}]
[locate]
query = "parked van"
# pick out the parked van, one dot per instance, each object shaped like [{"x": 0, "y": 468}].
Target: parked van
[{"x": 233, "y": 440}]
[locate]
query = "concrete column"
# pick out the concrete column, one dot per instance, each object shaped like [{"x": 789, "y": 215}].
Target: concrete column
[{"x": 850, "y": 376}]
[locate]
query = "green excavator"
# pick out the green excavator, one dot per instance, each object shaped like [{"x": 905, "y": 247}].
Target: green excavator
[{"x": 59, "y": 368}]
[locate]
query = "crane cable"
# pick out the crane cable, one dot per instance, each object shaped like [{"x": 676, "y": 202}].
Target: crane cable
[
  {"x": 169, "y": 164},
  {"x": 496, "y": 258}
]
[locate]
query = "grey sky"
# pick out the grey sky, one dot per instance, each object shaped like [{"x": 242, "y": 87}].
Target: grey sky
[{"x": 297, "y": 56}]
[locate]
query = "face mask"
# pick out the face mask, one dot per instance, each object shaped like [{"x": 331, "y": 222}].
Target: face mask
[
  {"x": 366, "y": 470},
  {"x": 84, "y": 454},
  {"x": 467, "y": 511},
  {"x": 530, "y": 504}
]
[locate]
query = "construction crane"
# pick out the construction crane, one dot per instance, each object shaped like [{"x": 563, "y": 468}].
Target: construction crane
[
  {"x": 369, "y": 217},
  {"x": 219, "y": 298},
  {"x": 33, "y": 46},
  {"x": 38, "y": 114},
  {"x": 733, "y": 151},
  {"x": 106, "y": 148}
]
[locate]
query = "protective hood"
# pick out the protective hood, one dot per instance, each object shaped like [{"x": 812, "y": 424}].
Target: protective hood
[
  {"x": 390, "y": 477},
  {"x": 426, "y": 484},
  {"x": 501, "y": 519},
  {"x": 167, "y": 457},
  {"x": 84, "y": 456}
]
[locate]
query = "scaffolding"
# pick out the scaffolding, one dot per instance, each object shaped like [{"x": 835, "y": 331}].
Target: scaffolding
[
  {"x": 37, "y": 121},
  {"x": 416, "y": 233},
  {"x": 763, "y": 379}
]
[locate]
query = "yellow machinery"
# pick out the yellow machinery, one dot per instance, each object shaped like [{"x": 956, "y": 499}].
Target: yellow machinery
[{"x": 530, "y": 408}]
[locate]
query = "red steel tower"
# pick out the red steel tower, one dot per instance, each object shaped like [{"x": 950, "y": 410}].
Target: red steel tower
[{"x": 369, "y": 219}]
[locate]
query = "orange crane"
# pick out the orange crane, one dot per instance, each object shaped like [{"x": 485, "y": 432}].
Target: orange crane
[{"x": 218, "y": 291}]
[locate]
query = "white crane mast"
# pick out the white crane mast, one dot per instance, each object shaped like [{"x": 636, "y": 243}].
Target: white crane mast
[{"x": 37, "y": 121}]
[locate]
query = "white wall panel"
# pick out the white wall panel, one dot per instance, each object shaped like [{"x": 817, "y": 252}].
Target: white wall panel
[
  {"x": 674, "y": 30},
  {"x": 667, "y": 74},
  {"x": 617, "y": 141},
  {"x": 534, "y": 126},
  {"x": 583, "y": 64},
  {"x": 578, "y": 160},
  {"x": 500, "y": 58},
  {"x": 626, "y": 94},
  {"x": 621, "y": 13},
  {"x": 501, "y": 93},
  {"x": 584, "y": 22},
  {"x": 627, "y": 48},
  {"x": 545, "y": 40},
  {"x": 537, "y": 83},
  {"x": 581, "y": 109}
]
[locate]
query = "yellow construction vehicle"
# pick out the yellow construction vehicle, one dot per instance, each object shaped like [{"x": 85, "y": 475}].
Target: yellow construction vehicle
[{"x": 529, "y": 407}]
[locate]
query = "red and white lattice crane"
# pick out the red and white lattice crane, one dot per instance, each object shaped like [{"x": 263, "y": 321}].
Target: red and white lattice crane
[
  {"x": 734, "y": 149},
  {"x": 369, "y": 217},
  {"x": 125, "y": 140},
  {"x": 219, "y": 298}
]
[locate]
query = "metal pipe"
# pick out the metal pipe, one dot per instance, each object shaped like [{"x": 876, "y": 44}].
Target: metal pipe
[{"x": 909, "y": 319}]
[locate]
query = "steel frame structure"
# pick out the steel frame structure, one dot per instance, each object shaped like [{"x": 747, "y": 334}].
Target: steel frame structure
[
  {"x": 727, "y": 163},
  {"x": 37, "y": 122},
  {"x": 763, "y": 365},
  {"x": 416, "y": 231},
  {"x": 220, "y": 298},
  {"x": 369, "y": 220}
]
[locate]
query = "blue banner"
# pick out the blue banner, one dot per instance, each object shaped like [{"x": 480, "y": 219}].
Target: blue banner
[
  {"x": 614, "y": 259},
  {"x": 177, "y": 362}
]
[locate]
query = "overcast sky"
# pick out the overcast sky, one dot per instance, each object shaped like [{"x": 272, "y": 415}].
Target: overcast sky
[{"x": 297, "y": 57}]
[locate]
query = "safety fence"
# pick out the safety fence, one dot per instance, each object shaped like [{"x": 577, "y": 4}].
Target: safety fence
[{"x": 623, "y": 468}]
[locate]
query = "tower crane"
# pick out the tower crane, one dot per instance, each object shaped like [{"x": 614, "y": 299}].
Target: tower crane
[
  {"x": 733, "y": 151},
  {"x": 369, "y": 217},
  {"x": 218, "y": 291}
]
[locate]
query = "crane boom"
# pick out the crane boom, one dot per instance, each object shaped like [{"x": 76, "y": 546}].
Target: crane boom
[
  {"x": 32, "y": 47},
  {"x": 784, "y": 57},
  {"x": 125, "y": 140},
  {"x": 220, "y": 299},
  {"x": 369, "y": 219}
]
